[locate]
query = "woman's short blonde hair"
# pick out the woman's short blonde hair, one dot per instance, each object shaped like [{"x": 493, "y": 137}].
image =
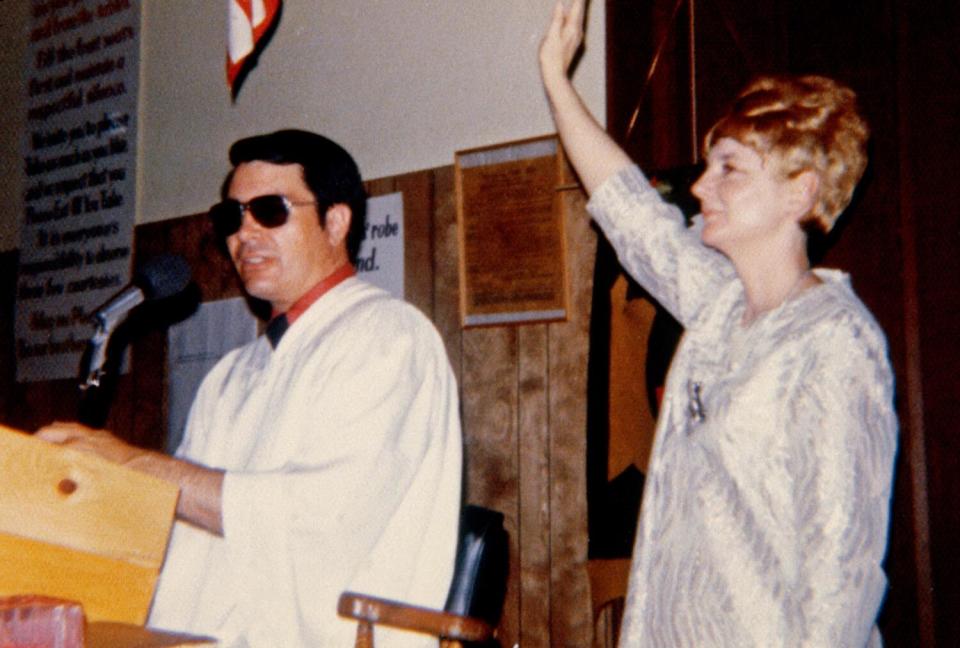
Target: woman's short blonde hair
[{"x": 809, "y": 123}]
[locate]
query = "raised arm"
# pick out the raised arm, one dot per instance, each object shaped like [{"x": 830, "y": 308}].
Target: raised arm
[{"x": 591, "y": 151}]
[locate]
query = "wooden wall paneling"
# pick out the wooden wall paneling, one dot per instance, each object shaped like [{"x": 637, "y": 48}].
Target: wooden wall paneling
[
  {"x": 534, "y": 486},
  {"x": 490, "y": 418},
  {"x": 446, "y": 282},
  {"x": 418, "y": 201},
  {"x": 571, "y": 613},
  {"x": 502, "y": 376}
]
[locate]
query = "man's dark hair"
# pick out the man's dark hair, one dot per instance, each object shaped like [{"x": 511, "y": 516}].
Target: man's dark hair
[{"x": 328, "y": 171}]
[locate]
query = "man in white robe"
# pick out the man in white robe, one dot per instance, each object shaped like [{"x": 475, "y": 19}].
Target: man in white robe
[{"x": 325, "y": 455}]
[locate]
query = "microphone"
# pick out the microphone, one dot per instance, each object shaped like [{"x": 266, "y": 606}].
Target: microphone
[{"x": 160, "y": 277}]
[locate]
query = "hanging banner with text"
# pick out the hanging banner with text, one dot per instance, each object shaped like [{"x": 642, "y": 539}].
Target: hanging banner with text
[{"x": 82, "y": 73}]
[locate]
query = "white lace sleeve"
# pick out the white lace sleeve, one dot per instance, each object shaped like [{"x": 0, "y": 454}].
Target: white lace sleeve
[
  {"x": 656, "y": 247},
  {"x": 844, "y": 441}
]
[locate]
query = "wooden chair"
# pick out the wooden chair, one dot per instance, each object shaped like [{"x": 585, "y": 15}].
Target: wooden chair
[{"x": 475, "y": 600}]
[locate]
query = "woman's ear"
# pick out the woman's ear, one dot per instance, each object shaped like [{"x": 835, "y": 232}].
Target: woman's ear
[
  {"x": 803, "y": 192},
  {"x": 338, "y": 223}
]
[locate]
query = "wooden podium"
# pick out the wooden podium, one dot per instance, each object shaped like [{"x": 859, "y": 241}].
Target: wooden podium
[{"x": 77, "y": 527}]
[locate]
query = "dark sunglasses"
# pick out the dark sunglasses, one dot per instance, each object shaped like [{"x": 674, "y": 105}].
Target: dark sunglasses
[{"x": 269, "y": 211}]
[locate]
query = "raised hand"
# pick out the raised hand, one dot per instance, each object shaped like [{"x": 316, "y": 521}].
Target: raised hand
[
  {"x": 593, "y": 153},
  {"x": 563, "y": 38}
]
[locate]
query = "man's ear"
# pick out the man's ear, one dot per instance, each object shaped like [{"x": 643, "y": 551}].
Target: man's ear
[
  {"x": 804, "y": 189},
  {"x": 338, "y": 223}
]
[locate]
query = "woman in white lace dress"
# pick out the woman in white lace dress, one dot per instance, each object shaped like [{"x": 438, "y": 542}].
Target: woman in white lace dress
[{"x": 766, "y": 504}]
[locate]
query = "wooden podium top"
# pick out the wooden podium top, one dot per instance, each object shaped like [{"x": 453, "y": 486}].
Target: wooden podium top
[{"x": 77, "y": 527}]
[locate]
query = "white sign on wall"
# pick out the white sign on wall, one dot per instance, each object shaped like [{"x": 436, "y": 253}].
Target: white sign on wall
[
  {"x": 82, "y": 73},
  {"x": 380, "y": 260}
]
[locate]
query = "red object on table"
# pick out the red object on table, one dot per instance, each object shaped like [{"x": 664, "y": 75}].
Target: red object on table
[{"x": 31, "y": 621}]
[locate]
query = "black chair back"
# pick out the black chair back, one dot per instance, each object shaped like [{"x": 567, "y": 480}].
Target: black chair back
[{"x": 479, "y": 583}]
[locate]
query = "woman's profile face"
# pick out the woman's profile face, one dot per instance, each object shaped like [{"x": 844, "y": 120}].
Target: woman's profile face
[{"x": 741, "y": 195}]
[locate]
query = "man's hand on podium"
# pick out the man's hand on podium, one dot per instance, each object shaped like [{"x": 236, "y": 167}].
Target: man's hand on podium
[
  {"x": 201, "y": 488},
  {"x": 87, "y": 439}
]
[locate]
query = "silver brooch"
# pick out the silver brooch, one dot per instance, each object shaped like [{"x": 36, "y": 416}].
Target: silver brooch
[{"x": 694, "y": 404}]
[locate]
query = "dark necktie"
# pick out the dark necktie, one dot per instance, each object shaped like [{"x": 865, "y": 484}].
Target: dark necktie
[{"x": 276, "y": 328}]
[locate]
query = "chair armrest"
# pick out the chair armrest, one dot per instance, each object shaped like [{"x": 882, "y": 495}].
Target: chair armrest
[{"x": 395, "y": 614}]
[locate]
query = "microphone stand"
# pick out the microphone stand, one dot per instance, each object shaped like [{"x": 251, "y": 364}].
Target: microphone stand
[
  {"x": 95, "y": 388},
  {"x": 96, "y": 358},
  {"x": 106, "y": 322}
]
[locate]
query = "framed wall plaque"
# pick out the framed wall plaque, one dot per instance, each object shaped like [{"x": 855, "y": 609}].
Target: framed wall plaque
[{"x": 512, "y": 242}]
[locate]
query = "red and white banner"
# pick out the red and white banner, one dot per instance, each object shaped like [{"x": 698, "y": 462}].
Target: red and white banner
[{"x": 248, "y": 20}]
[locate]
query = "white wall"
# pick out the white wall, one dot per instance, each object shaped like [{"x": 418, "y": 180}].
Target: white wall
[{"x": 401, "y": 84}]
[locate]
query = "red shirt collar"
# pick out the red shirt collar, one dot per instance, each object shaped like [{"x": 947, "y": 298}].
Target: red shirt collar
[{"x": 304, "y": 302}]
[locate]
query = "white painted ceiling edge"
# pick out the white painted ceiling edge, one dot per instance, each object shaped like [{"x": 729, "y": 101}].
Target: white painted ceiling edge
[{"x": 402, "y": 85}]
